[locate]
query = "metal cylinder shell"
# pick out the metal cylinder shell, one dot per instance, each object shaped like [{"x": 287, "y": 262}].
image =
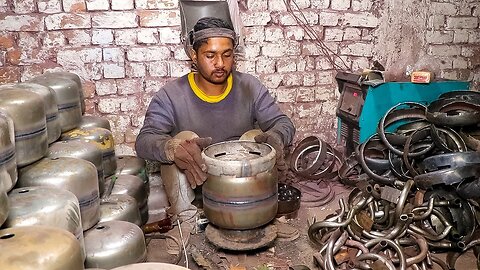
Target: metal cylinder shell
[
  {"x": 8, "y": 162},
  {"x": 120, "y": 207},
  {"x": 74, "y": 77},
  {"x": 75, "y": 175},
  {"x": 91, "y": 121},
  {"x": 100, "y": 137},
  {"x": 114, "y": 243},
  {"x": 241, "y": 191},
  {"x": 151, "y": 266},
  {"x": 39, "y": 248},
  {"x": 27, "y": 110}
]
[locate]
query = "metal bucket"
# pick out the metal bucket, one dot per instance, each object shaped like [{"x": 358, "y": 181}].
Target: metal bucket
[
  {"x": 75, "y": 175},
  {"x": 27, "y": 110},
  {"x": 120, "y": 207},
  {"x": 83, "y": 150},
  {"x": 68, "y": 99},
  {"x": 74, "y": 77},
  {"x": 91, "y": 121},
  {"x": 8, "y": 163},
  {"x": 100, "y": 137},
  {"x": 51, "y": 109},
  {"x": 39, "y": 248},
  {"x": 114, "y": 243},
  {"x": 241, "y": 187},
  {"x": 47, "y": 206}
]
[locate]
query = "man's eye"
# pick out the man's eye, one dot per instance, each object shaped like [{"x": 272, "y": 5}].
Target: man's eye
[
  {"x": 210, "y": 56},
  {"x": 227, "y": 55}
]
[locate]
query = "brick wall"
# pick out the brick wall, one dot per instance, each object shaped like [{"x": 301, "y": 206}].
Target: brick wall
[{"x": 124, "y": 50}]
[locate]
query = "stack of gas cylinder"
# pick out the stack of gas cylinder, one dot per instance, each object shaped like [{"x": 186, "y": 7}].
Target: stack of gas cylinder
[{"x": 66, "y": 200}]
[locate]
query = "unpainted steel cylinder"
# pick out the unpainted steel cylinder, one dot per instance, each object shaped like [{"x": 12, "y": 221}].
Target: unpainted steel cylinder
[
  {"x": 74, "y": 77},
  {"x": 120, "y": 207},
  {"x": 91, "y": 121},
  {"x": 75, "y": 175},
  {"x": 27, "y": 110},
  {"x": 68, "y": 99},
  {"x": 3, "y": 207},
  {"x": 39, "y": 248},
  {"x": 241, "y": 188},
  {"x": 133, "y": 186},
  {"x": 49, "y": 206},
  {"x": 132, "y": 165},
  {"x": 51, "y": 110},
  {"x": 114, "y": 243},
  {"x": 83, "y": 150},
  {"x": 8, "y": 162},
  {"x": 100, "y": 137}
]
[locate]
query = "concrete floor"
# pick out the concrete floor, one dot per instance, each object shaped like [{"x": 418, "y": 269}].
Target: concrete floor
[{"x": 280, "y": 255}]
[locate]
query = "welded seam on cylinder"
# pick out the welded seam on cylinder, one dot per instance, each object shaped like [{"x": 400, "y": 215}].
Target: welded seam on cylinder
[
  {"x": 7, "y": 155},
  {"x": 67, "y": 106},
  {"x": 51, "y": 117},
  {"x": 19, "y": 136},
  {"x": 206, "y": 197}
]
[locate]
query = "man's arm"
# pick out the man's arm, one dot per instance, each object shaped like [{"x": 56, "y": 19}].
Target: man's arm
[{"x": 156, "y": 130}]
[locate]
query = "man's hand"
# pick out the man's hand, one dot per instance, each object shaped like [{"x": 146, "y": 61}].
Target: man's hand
[
  {"x": 275, "y": 140},
  {"x": 187, "y": 156}
]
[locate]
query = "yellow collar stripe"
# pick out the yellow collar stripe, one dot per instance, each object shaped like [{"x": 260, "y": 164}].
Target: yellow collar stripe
[{"x": 210, "y": 99}]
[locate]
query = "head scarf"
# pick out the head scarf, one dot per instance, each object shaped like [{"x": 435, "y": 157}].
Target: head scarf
[{"x": 214, "y": 32}]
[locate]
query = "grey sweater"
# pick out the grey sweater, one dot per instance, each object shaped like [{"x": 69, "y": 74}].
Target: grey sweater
[{"x": 175, "y": 108}]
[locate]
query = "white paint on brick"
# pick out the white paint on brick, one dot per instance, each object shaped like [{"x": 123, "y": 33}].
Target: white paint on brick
[
  {"x": 449, "y": 74},
  {"x": 275, "y": 5},
  {"x": 357, "y": 49},
  {"x": 271, "y": 81},
  {"x": 129, "y": 104},
  {"x": 153, "y": 85},
  {"x": 329, "y": 18},
  {"x": 443, "y": 8},
  {"x": 462, "y": 22},
  {"x": 286, "y": 65},
  {"x": 444, "y": 62},
  {"x": 257, "y": 5},
  {"x": 113, "y": 55},
  {"x": 106, "y": 87},
  {"x": 49, "y": 6},
  {"x": 325, "y": 77},
  {"x": 119, "y": 123},
  {"x": 122, "y": 4},
  {"x": 310, "y": 48},
  {"x": 254, "y": 34},
  {"x": 115, "y": 19},
  {"x": 125, "y": 36},
  {"x": 95, "y": 5},
  {"x": 444, "y": 50},
  {"x": 359, "y": 64},
  {"x": 108, "y": 105},
  {"x": 2, "y": 58},
  {"x": 150, "y": 53},
  {"x": 309, "y": 79},
  {"x": 322, "y": 63},
  {"x": 324, "y": 92},
  {"x": 439, "y": 37},
  {"x": 306, "y": 63},
  {"x": 460, "y": 62},
  {"x": 23, "y": 6},
  {"x": 158, "y": 69},
  {"x": 273, "y": 33},
  {"x": 135, "y": 70},
  {"x": 113, "y": 70},
  {"x": 256, "y": 18},
  {"x": 274, "y": 49},
  {"x": 67, "y": 21},
  {"x": 178, "y": 69},
  {"x": 361, "y": 20},
  {"x": 169, "y": 35},
  {"x": 265, "y": 65},
  {"x": 73, "y": 5},
  {"x": 129, "y": 86},
  {"x": 361, "y": 5},
  {"x": 340, "y": 4},
  {"x": 474, "y": 36},
  {"x": 436, "y": 21},
  {"x": 159, "y": 18},
  {"x": 294, "y": 32},
  {"x": 293, "y": 79},
  {"x": 102, "y": 36},
  {"x": 78, "y": 37},
  {"x": 54, "y": 39},
  {"x": 137, "y": 120},
  {"x": 245, "y": 66},
  {"x": 122, "y": 149},
  {"x": 305, "y": 94},
  {"x": 180, "y": 54},
  {"x": 308, "y": 17},
  {"x": 320, "y": 4},
  {"x": 21, "y": 23},
  {"x": 155, "y": 4},
  {"x": 284, "y": 94},
  {"x": 333, "y": 34},
  {"x": 147, "y": 36},
  {"x": 66, "y": 57},
  {"x": 352, "y": 34},
  {"x": 252, "y": 51}
]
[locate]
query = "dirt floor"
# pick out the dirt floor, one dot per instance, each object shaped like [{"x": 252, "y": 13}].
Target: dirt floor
[{"x": 283, "y": 253}]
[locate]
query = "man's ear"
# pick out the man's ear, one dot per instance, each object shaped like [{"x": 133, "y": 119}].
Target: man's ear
[{"x": 193, "y": 55}]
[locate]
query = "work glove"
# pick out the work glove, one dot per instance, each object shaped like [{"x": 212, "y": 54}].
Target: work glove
[
  {"x": 186, "y": 154},
  {"x": 274, "y": 139}
]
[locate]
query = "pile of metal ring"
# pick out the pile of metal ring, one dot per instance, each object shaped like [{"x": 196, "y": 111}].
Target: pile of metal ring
[{"x": 416, "y": 190}]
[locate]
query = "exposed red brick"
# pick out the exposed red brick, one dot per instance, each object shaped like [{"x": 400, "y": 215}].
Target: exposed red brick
[
  {"x": 6, "y": 42},
  {"x": 78, "y": 7},
  {"x": 88, "y": 89},
  {"x": 13, "y": 56},
  {"x": 10, "y": 74}
]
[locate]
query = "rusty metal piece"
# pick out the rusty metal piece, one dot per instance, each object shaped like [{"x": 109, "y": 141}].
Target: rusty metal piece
[
  {"x": 241, "y": 240},
  {"x": 308, "y": 145},
  {"x": 364, "y": 220},
  {"x": 161, "y": 226},
  {"x": 452, "y": 139}
]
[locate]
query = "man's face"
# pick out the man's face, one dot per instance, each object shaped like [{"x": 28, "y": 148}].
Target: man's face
[{"x": 214, "y": 59}]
